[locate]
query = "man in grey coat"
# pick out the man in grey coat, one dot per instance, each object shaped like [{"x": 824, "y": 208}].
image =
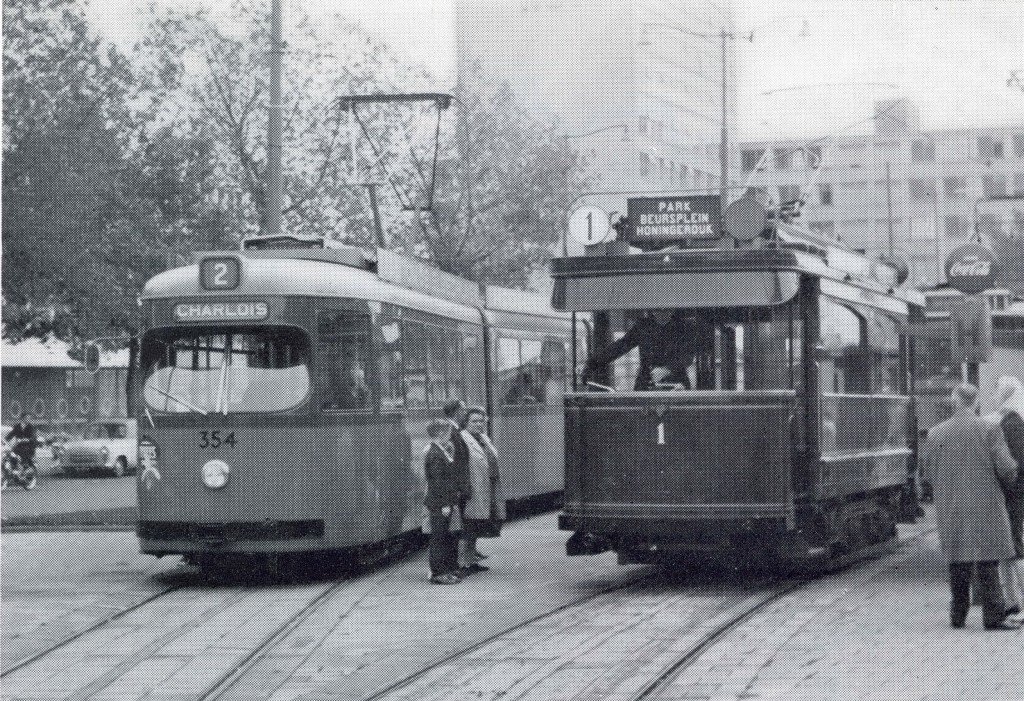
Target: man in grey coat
[{"x": 965, "y": 459}]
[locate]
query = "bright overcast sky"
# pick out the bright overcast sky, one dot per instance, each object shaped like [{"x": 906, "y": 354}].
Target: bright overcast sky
[{"x": 952, "y": 57}]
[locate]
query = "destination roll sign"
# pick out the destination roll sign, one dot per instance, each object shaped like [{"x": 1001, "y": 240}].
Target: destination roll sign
[{"x": 672, "y": 218}]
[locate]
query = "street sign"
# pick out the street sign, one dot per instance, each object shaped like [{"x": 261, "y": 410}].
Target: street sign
[
  {"x": 972, "y": 268},
  {"x": 673, "y": 218},
  {"x": 970, "y": 327},
  {"x": 589, "y": 225}
]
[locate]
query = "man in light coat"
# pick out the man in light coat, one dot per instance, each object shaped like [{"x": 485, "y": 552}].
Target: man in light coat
[{"x": 965, "y": 459}]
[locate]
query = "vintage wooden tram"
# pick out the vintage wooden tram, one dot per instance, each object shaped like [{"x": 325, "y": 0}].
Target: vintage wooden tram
[
  {"x": 789, "y": 432},
  {"x": 283, "y": 392}
]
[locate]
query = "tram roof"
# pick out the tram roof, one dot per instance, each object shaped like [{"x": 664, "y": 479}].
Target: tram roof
[
  {"x": 709, "y": 277},
  {"x": 305, "y": 278},
  {"x": 390, "y": 279}
]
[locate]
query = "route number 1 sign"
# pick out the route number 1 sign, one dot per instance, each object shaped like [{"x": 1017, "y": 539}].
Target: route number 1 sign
[{"x": 589, "y": 225}]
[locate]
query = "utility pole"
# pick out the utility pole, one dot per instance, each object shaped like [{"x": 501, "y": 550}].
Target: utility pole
[
  {"x": 275, "y": 189},
  {"x": 724, "y": 147},
  {"x": 888, "y": 202}
]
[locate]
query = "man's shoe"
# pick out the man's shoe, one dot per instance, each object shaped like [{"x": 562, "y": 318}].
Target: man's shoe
[
  {"x": 957, "y": 624},
  {"x": 445, "y": 579},
  {"x": 1004, "y": 624},
  {"x": 475, "y": 567}
]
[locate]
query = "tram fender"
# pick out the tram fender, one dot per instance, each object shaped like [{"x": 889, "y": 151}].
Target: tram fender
[{"x": 584, "y": 543}]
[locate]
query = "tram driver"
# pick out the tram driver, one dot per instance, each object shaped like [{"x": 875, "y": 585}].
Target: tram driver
[{"x": 668, "y": 342}]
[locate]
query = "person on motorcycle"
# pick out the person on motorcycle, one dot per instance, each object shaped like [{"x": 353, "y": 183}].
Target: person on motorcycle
[{"x": 25, "y": 435}]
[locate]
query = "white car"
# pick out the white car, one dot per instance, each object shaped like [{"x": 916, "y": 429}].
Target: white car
[{"x": 111, "y": 445}]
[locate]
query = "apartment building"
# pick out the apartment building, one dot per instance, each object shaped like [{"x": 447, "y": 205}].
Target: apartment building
[
  {"x": 636, "y": 86},
  {"x": 922, "y": 193}
]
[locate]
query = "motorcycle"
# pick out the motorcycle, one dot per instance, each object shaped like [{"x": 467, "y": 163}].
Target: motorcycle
[{"x": 17, "y": 470}]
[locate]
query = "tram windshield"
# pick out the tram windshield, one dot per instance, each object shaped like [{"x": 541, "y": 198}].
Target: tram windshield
[
  {"x": 738, "y": 349},
  {"x": 254, "y": 370}
]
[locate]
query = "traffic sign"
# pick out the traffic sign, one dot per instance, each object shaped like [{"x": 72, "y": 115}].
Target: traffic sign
[{"x": 589, "y": 225}]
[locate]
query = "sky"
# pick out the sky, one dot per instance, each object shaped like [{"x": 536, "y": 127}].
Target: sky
[{"x": 951, "y": 57}]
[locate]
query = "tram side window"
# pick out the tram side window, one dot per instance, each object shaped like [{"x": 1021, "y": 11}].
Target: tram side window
[
  {"x": 416, "y": 352},
  {"x": 553, "y": 361},
  {"x": 444, "y": 379},
  {"x": 519, "y": 371},
  {"x": 844, "y": 367},
  {"x": 344, "y": 342},
  {"x": 886, "y": 358},
  {"x": 389, "y": 364}
]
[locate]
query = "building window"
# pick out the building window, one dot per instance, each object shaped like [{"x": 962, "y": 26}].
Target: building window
[
  {"x": 645, "y": 165},
  {"x": 1018, "y": 145},
  {"x": 750, "y": 159},
  {"x": 886, "y": 145},
  {"x": 955, "y": 187},
  {"x": 957, "y": 226},
  {"x": 920, "y": 188},
  {"x": 825, "y": 193},
  {"x": 789, "y": 193},
  {"x": 922, "y": 151},
  {"x": 990, "y": 147},
  {"x": 783, "y": 159},
  {"x": 993, "y": 186},
  {"x": 1018, "y": 185}
]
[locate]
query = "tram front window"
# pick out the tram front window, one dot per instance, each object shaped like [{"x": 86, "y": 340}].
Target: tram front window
[
  {"x": 716, "y": 349},
  {"x": 250, "y": 370}
]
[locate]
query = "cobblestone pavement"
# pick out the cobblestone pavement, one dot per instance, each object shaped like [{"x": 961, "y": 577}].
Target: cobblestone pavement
[{"x": 877, "y": 632}]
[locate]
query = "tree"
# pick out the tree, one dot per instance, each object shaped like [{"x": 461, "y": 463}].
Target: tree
[
  {"x": 215, "y": 75},
  {"x": 504, "y": 189},
  {"x": 64, "y": 95}
]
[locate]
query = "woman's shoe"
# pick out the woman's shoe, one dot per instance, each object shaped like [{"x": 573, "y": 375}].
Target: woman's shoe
[
  {"x": 478, "y": 555},
  {"x": 1012, "y": 611},
  {"x": 1005, "y": 624}
]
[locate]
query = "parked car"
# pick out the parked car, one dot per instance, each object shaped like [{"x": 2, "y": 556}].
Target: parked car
[{"x": 110, "y": 446}]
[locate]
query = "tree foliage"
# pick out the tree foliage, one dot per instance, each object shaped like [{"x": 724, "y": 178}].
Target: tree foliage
[
  {"x": 94, "y": 201},
  {"x": 215, "y": 74},
  {"x": 506, "y": 183}
]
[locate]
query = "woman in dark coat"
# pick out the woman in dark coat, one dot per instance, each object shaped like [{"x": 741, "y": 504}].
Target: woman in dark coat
[{"x": 1009, "y": 395}]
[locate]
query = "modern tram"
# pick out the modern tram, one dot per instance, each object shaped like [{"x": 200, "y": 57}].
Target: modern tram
[
  {"x": 782, "y": 424},
  {"x": 283, "y": 392}
]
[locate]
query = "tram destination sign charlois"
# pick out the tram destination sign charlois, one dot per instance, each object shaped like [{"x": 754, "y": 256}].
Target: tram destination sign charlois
[
  {"x": 672, "y": 218},
  {"x": 221, "y": 311}
]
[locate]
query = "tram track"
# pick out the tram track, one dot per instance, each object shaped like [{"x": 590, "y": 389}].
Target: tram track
[
  {"x": 29, "y": 659},
  {"x": 636, "y": 659}
]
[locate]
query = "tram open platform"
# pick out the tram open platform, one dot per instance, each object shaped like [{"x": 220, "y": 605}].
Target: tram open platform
[{"x": 876, "y": 630}]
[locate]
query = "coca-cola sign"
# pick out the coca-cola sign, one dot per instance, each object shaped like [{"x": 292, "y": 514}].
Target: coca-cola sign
[{"x": 972, "y": 268}]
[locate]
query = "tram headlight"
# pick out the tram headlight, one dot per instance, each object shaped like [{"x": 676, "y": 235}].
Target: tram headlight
[{"x": 215, "y": 474}]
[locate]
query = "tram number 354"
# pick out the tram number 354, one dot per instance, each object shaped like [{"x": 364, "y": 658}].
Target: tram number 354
[{"x": 213, "y": 439}]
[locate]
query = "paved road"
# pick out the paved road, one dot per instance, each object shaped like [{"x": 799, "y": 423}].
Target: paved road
[{"x": 93, "y": 500}]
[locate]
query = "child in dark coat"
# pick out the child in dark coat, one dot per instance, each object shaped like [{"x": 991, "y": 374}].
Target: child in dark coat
[{"x": 442, "y": 502}]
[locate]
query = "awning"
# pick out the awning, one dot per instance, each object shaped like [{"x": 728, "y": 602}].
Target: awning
[{"x": 670, "y": 290}]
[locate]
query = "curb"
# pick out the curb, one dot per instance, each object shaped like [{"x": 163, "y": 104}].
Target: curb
[{"x": 115, "y": 519}]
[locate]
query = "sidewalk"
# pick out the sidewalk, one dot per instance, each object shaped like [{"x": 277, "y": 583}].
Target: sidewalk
[{"x": 878, "y": 632}]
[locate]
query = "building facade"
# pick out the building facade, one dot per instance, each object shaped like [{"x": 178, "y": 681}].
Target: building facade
[
  {"x": 636, "y": 86},
  {"x": 922, "y": 193}
]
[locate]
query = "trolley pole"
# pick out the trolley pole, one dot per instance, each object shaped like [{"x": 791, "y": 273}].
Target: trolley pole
[{"x": 275, "y": 190}]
